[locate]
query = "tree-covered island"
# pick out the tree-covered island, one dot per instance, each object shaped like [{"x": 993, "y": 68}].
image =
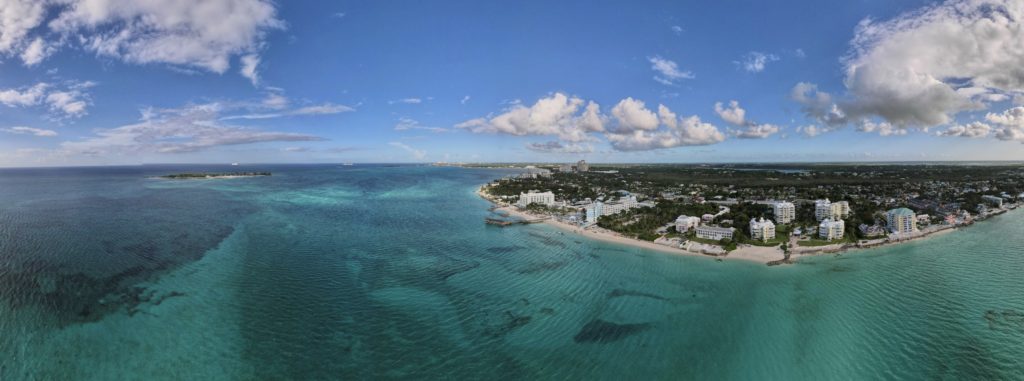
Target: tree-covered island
[{"x": 225, "y": 175}]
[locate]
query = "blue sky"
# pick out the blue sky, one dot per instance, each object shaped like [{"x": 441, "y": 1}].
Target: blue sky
[{"x": 129, "y": 82}]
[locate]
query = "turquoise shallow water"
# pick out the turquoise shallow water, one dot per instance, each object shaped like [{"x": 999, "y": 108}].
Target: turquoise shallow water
[{"x": 370, "y": 272}]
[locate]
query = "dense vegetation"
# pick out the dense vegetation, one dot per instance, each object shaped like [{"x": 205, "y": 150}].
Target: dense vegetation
[{"x": 643, "y": 223}]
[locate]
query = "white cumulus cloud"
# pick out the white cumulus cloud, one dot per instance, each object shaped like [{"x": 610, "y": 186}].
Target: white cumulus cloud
[
  {"x": 673, "y": 131},
  {"x": 755, "y": 62},
  {"x": 186, "y": 33},
  {"x": 733, "y": 114},
  {"x": 755, "y": 131},
  {"x": 631, "y": 126},
  {"x": 737, "y": 116},
  {"x": 882, "y": 128},
  {"x": 36, "y": 52},
  {"x": 812, "y": 130},
  {"x": 924, "y": 67},
  {"x": 67, "y": 100},
  {"x": 248, "y": 70},
  {"x": 1010, "y": 122},
  {"x": 969, "y": 130},
  {"x": 568, "y": 118},
  {"x": 633, "y": 114}
]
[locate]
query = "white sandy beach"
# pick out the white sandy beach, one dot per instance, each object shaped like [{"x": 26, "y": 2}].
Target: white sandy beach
[{"x": 744, "y": 252}]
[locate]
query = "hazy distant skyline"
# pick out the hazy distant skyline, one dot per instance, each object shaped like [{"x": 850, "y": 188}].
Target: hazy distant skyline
[{"x": 130, "y": 82}]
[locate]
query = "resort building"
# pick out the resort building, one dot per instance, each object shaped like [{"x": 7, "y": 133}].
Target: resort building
[
  {"x": 762, "y": 229},
  {"x": 830, "y": 229},
  {"x": 901, "y": 221},
  {"x": 595, "y": 211},
  {"x": 598, "y": 209},
  {"x": 534, "y": 172},
  {"x": 534, "y": 197},
  {"x": 582, "y": 166},
  {"x": 785, "y": 212},
  {"x": 622, "y": 204},
  {"x": 707, "y": 218},
  {"x": 565, "y": 168},
  {"x": 993, "y": 200},
  {"x": 840, "y": 209},
  {"x": 684, "y": 223},
  {"x": 834, "y": 210},
  {"x": 714, "y": 232},
  {"x": 822, "y": 209}
]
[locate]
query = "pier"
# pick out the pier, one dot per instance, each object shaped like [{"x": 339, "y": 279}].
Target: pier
[{"x": 501, "y": 222}]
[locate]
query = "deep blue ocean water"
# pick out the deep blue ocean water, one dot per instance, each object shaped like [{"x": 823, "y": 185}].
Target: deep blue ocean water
[{"x": 388, "y": 272}]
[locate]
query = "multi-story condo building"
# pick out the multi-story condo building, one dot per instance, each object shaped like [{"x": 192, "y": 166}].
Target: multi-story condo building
[
  {"x": 835, "y": 210},
  {"x": 714, "y": 232},
  {"x": 762, "y": 229},
  {"x": 582, "y": 166},
  {"x": 840, "y": 209},
  {"x": 785, "y": 212},
  {"x": 594, "y": 211},
  {"x": 534, "y": 197},
  {"x": 622, "y": 204},
  {"x": 822, "y": 209},
  {"x": 684, "y": 223},
  {"x": 901, "y": 221},
  {"x": 830, "y": 229},
  {"x": 598, "y": 209}
]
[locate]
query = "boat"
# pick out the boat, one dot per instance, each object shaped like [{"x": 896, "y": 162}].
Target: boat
[
  {"x": 234, "y": 164},
  {"x": 347, "y": 164}
]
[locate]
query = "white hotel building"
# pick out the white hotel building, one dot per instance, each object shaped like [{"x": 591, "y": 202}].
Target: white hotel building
[
  {"x": 830, "y": 230},
  {"x": 534, "y": 197},
  {"x": 598, "y": 209},
  {"x": 762, "y": 229},
  {"x": 684, "y": 223},
  {"x": 785, "y": 212},
  {"x": 714, "y": 232}
]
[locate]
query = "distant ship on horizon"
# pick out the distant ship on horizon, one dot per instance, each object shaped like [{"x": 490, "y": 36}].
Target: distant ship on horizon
[{"x": 234, "y": 164}]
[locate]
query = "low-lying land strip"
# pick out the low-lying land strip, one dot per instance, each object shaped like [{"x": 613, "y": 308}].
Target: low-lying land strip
[{"x": 733, "y": 210}]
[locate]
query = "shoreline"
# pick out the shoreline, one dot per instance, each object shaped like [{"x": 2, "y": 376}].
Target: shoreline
[{"x": 749, "y": 253}]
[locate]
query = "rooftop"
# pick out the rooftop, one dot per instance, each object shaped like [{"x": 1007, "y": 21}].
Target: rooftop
[{"x": 902, "y": 212}]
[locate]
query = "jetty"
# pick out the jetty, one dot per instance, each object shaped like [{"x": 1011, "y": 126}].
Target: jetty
[{"x": 501, "y": 222}]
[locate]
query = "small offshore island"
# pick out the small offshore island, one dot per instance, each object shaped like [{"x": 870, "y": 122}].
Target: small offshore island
[
  {"x": 770, "y": 214},
  {"x": 204, "y": 176}
]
